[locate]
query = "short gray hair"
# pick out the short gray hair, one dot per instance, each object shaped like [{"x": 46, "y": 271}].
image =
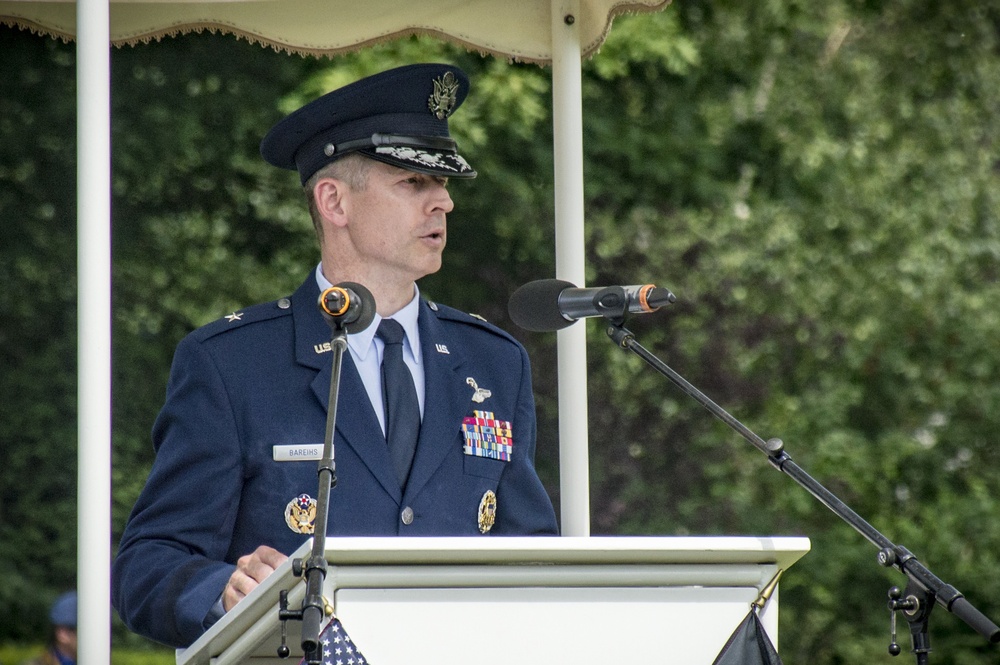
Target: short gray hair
[{"x": 352, "y": 169}]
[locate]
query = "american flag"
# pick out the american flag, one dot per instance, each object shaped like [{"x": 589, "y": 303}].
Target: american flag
[{"x": 336, "y": 646}]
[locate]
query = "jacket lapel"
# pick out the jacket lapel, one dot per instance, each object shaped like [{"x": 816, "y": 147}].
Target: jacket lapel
[
  {"x": 357, "y": 424},
  {"x": 446, "y": 400}
]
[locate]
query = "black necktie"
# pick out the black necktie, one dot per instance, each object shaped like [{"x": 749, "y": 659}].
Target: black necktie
[{"x": 402, "y": 412}]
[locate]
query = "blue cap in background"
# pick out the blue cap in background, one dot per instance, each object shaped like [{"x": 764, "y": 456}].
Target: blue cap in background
[{"x": 63, "y": 611}]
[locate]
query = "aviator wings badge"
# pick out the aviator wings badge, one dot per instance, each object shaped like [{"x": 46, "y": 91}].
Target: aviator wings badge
[{"x": 480, "y": 394}]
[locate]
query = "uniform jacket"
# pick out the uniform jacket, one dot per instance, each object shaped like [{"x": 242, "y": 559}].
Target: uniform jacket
[{"x": 260, "y": 378}]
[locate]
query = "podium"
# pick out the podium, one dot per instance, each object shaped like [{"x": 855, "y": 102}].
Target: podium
[{"x": 492, "y": 601}]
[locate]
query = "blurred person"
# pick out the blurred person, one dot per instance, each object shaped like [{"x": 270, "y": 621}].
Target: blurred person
[{"x": 61, "y": 649}]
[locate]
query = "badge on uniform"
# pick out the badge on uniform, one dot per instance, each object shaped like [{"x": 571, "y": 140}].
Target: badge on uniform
[
  {"x": 300, "y": 514},
  {"x": 485, "y": 436},
  {"x": 479, "y": 395},
  {"x": 487, "y": 511}
]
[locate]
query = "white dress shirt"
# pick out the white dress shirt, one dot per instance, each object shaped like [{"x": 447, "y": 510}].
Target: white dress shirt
[{"x": 366, "y": 350}]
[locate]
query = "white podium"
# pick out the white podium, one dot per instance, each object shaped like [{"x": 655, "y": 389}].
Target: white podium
[{"x": 493, "y": 601}]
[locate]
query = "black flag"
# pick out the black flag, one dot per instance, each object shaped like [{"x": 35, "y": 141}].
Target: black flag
[{"x": 749, "y": 644}]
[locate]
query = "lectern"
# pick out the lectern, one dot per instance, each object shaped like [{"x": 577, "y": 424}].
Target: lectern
[{"x": 493, "y": 601}]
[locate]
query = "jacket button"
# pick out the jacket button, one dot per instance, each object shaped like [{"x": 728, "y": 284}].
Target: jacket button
[{"x": 407, "y": 516}]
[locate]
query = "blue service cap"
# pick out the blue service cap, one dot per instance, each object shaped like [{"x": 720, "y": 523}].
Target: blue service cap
[
  {"x": 399, "y": 117},
  {"x": 63, "y": 612}
]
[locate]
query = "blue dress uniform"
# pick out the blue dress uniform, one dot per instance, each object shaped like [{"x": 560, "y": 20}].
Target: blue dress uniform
[
  {"x": 259, "y": 379},
  {"x": 249, "y": 392}
]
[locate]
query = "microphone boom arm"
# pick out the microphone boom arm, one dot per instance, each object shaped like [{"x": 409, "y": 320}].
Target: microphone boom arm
[{"x": 923, "y": 588}]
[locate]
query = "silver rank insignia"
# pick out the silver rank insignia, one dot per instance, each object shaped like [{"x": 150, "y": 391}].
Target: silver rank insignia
[
  {"x": 300, "y": 514},
  {"x": 442, "y": 101},
  {"x": 487, "y": 511}
]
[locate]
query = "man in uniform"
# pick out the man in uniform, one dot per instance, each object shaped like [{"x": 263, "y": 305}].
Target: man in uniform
[{"x": 231, "y": 491}]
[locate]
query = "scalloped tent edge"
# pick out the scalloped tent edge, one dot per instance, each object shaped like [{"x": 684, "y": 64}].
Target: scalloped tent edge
[{"x": 517, "y": 29}]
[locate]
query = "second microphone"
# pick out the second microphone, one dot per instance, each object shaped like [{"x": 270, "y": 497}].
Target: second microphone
[{"x": 546, "y": 305}]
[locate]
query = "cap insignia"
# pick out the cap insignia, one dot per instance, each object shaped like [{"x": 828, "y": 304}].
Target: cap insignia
[{"x": 442, "y": 101}]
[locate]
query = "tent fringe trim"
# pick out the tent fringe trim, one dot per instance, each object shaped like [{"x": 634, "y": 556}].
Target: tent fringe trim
[{"x": 587, "y": 51}]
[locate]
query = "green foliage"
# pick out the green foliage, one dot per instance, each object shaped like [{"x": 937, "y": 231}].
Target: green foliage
[
  {"x": 817, "y": 182},
  {"x": 37, "y": 334},
  {"x": 821, "y": 191},
  {"x": 16, "y": 653},
  {"x": 12, "y": 654}
]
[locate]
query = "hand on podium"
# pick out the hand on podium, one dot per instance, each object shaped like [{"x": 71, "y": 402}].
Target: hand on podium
[{"x": 251, "y": 570}]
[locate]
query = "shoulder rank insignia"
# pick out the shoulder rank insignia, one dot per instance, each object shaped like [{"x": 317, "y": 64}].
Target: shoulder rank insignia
[
  {"x": 487, "y": 511},
  {"x": 235, "y": 316},
  {"x": 485, "y": 436},
  {"x": 300, "y": 514}
]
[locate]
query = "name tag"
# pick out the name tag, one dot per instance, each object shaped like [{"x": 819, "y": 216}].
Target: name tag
[{"x": 298, "y": 452}]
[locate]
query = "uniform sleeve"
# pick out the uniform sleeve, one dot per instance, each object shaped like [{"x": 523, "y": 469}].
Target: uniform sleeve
[
  {"x": 171, "y": 566},
  {"x": 523, "y": 505}
]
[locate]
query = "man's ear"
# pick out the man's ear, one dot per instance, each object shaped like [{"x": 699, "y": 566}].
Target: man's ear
[{"x": 329, "y": 195}]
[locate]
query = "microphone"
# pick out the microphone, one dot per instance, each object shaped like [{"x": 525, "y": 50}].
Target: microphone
[
  {"x": 552, "y": 304},
  {"x": 348, "y": 306}
]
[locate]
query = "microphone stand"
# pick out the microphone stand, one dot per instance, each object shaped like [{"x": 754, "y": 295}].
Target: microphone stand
[
  {"x": 923, "y": 588},
  {"x": 314, "y": 568}
]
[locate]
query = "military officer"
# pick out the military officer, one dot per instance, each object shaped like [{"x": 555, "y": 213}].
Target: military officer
[{"x": 232, "y": 489}]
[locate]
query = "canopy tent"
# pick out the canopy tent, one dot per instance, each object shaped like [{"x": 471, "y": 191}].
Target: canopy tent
[
  {"x": 558, "y": 33},
  {"x": 515, "y": 29}
]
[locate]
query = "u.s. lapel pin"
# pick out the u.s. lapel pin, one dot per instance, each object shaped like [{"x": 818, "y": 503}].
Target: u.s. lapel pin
[{"x": 479, "y": 395}]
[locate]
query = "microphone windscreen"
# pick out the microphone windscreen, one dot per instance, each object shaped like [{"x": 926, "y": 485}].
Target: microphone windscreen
[
  {"x": 658, "y": 297},
  {"x": 535, "y": 306},
  {"x": 367, "y": 313}
]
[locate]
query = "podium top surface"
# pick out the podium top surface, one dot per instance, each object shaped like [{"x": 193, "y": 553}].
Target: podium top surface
[
  {"x": 513, "y": 554},
  {"x": 783, "y": 551}
]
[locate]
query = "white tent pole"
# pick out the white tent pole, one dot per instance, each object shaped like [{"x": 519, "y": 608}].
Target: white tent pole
[
  {"x": 93, "y": 66},
  {"x": 567, "y": 116}
]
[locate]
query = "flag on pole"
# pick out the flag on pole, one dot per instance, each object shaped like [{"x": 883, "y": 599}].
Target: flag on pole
[
  {"x": 749, "y": 644},
  {"x": 336, "y": 647}
]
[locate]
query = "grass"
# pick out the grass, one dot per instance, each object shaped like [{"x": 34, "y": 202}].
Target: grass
[{"x": 13, "y": 654}]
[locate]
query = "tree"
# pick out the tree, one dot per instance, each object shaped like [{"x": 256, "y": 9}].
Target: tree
[
  {"x": 37, "y": 336},
  {"x": 818, "y": 184}
]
